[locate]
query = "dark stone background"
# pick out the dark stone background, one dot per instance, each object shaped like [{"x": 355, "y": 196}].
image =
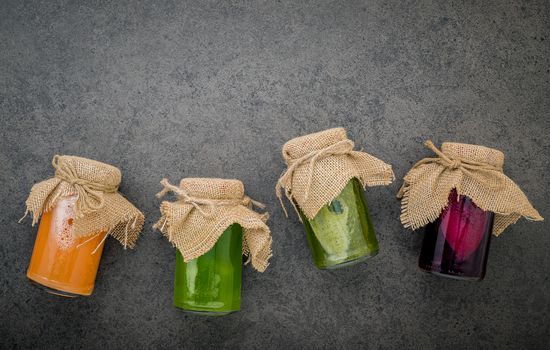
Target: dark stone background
[{"x": 213, "y": 89}]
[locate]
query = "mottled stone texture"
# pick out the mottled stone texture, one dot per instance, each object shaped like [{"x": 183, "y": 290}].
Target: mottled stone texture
[{"x": 213, "y": 89}]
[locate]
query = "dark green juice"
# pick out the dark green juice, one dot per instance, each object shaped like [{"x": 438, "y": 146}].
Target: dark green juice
[
  {"x": 341, "y": 233},
  {"x": 211, "y": 283}
]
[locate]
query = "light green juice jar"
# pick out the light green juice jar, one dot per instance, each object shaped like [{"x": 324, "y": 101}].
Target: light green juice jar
[
  {"x": 213, "y": 225},
  {"x": 341, "y": 233},
  {"x": 324, "y": 180},
  {"x": 211, "y": 283}
]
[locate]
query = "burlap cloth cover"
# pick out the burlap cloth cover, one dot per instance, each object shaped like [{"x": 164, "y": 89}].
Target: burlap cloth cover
[
  {"x": 474, "y": 171},
  {"x": 319, "y": 167},
  {"x": 99, "y": 206},
  {"x": 204, "y": 209}
]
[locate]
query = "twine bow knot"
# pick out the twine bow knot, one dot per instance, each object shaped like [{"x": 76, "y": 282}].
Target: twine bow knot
[
  {"x": 455, "y": 164},
  {"x": 90, "y": 193},
  {"x": 198, "y": 203},
  {"x": 285, "y": 181}
]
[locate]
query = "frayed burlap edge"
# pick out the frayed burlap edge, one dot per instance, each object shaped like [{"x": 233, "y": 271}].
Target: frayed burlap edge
[
  {"x": 183, "y": 221},
  {"x": 432, "y": 180},
  {"x": 319, "y": 167},
  {"x": 114, "y": 214}
]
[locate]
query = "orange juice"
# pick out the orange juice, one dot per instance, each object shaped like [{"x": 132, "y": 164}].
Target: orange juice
[{"x": 64, "y": 264}]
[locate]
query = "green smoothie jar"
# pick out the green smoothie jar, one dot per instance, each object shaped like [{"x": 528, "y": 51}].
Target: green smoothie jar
[
  {"x": 341, "y": 233},
  {"x": 211, "y": 283},
  {"x": 324, "y": 182},
  {"x": 212, "y": 225}
]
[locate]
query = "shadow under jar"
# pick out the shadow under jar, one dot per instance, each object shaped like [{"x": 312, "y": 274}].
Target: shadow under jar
[
  {"x": 342, "y": 234},
  {"x": 211, "y": 283},
  {"x": 456, "y": 245},
  {"x": 61, "y": 263}
]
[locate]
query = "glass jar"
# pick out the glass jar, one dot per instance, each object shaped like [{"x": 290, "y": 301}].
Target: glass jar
[
  {"x": 61, "y": 263},
  {"x": 211, "y": 283},
  {"x": 456, "y": 245},
  {"x": 341, "y": 233}
]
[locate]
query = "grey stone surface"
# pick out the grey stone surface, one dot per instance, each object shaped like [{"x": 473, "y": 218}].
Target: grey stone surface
[{"x": 213, "y": 89}]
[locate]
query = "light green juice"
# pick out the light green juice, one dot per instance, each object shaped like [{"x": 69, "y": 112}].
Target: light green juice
[{"x": 341, "y": 233}]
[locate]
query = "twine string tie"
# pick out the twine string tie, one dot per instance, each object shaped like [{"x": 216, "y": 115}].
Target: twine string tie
[
  {"x": 285, "y": 181},
  {"x": 479, "y": 171},
  {"x": 201, "y": 203},
  {"x": 90, "y": 193}
]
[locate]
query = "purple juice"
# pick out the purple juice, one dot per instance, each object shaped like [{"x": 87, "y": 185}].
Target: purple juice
[{"x": 456, "y": 245}]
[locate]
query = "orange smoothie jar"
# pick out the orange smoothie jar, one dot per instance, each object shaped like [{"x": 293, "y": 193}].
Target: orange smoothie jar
[
  {"x": 80, "y": 207},
  {"x": 61, "y": 263}
]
